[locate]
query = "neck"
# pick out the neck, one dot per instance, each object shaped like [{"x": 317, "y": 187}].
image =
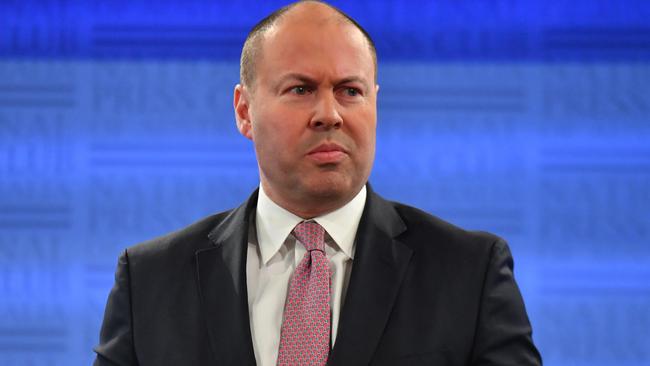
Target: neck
[{"x": 311, "y": 206}]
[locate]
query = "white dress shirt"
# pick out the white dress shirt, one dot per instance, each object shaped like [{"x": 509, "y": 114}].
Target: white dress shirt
[{"x": 273, "y": 254}]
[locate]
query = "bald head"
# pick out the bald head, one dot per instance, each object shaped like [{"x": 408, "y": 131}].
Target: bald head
[{"x": 308, "y": 10}]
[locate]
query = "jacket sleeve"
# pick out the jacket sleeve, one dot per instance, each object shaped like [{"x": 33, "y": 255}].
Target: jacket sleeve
[
  {"x": 503, "y": 335},
  {"x": 116, "y": 346}
]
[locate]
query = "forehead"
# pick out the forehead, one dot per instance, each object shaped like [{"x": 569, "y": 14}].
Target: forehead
[{"x": 315, "y": 41}]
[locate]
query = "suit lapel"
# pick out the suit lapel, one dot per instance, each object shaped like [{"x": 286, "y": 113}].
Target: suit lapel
[
  {"x": 379, "y": 265},
  {"x": 221, "y": 275}
]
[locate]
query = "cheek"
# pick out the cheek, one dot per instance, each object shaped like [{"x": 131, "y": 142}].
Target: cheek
[
  {"x": 284, "y": 123},
  {"x": 274, "y": 134},
  {"x": 275, "y": 137},
  {"x": 365, "y": 132}
]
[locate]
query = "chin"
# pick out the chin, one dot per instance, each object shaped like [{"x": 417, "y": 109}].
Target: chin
[{"x": 332, "y": 189}]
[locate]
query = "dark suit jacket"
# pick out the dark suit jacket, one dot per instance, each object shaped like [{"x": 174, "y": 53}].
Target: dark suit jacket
[{"x": 421, "y": 292}]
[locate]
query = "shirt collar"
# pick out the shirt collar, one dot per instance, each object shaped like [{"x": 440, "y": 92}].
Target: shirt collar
[{"x": 274, "y": 224}]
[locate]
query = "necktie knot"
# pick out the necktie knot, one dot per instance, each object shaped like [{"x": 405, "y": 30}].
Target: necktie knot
[{"x": 311, "y": 235}]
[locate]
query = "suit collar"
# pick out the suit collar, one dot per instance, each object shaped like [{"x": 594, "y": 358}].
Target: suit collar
[
  {"x": 221, "y": 275},
  {"x": 379, "y": 265}
]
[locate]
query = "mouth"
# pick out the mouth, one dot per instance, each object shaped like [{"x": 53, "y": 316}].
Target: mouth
[{"x": 328, "y": 153}]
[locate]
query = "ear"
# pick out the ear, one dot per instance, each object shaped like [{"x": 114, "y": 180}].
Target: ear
[{"x": 241, "y": 102}]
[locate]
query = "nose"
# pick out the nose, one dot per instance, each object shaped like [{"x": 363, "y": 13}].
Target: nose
[{"x": 326, "y": 114}]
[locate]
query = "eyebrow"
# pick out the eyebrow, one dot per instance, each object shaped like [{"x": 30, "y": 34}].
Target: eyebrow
[{"x": 310, "y": 81}]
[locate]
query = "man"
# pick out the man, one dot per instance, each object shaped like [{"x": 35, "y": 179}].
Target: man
[{"x": 315, "y": 267}]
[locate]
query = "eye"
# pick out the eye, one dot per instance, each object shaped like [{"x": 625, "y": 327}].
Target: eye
[
  {"x": 299, "y": 90},
  {"x": 352, "y": 92}
]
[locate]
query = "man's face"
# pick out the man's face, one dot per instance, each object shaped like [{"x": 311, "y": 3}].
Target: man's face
[{"x": 311, "y": 112}]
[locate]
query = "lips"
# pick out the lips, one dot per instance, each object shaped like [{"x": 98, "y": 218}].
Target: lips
[{"x": 327, "y": 153}]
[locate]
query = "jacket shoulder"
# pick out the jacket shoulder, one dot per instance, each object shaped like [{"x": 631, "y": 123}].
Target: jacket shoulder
[
  {"x": 428, "y": 232},
  {"x": 185, "y": 240}
]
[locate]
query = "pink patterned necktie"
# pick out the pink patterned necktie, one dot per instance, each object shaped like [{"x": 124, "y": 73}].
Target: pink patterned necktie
[{"x": 305, "y": 334}]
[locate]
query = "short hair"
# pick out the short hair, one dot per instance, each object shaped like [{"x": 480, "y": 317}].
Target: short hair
[{"x": 253, "y": 44}]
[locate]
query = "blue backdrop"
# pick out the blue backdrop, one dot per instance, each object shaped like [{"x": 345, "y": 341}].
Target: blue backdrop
[{"x": 530, "y": 119}]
